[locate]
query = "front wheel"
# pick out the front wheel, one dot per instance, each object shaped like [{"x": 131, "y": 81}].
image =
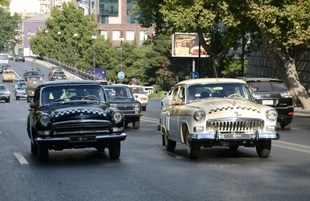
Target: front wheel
[
  {"x": 263, "y": 148},
  {"x": 143, "y": 108},
  {"x": 170, "y": 145},
  {"x": 34, "y": 148},
  {"x": 114, "y": 149},
  {"x": 42, "y": 153},
  {"x": 136, "y": 124},
  {"x": 193, "y": 148},
  {"x": 285, "y": 126}
]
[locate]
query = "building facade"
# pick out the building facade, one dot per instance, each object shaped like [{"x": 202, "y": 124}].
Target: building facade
[{"x": 115, "y": 20}]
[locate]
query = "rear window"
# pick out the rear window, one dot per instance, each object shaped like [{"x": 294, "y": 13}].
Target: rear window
[{"x": 268, "y": 86}]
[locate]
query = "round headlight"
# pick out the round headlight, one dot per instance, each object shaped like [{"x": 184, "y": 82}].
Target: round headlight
[
  {"x": 272, "y": 115},
  {"x": 137, "y": 108},
  {"x": 117, "y": 117},
  {"x": 199, "y": 115},
  {"x": 45, "y": 120}
]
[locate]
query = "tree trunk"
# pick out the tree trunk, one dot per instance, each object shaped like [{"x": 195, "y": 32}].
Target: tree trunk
[{"x": 285, "y": 66}]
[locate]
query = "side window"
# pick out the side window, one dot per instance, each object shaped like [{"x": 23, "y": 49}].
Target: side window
[
  {"x": 182, "y": 94},
  {"x": 175, "y": 96}
]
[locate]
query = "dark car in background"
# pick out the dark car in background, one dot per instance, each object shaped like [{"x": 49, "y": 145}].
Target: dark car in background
[
  {"x": 274, "y": 93},
  {"x": 122, "y": 97},
  {"x": 57, "y": 75},
  {"x": 61, "y": 118},
  {"x": 19, "y": 57},
  {"x": 53, "y": 69}
]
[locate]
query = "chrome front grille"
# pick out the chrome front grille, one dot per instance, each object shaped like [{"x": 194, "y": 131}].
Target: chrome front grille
[
  {"x": 235, "y": 125},
  {"x": 80, "y": 127}
]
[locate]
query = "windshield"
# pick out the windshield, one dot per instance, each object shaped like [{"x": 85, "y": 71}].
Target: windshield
[
  {"x": 218, "y": 90},
  {"x": 72, "y": 93},
  {"x": 59, "y": 73},
  {"x": 4, "y": 57},
  {"x": 138, "y": 90},
  {"x": 117, "y": 93}
]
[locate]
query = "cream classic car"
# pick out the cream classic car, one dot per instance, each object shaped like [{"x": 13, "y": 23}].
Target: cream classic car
[{"x": 210, "y": 112}]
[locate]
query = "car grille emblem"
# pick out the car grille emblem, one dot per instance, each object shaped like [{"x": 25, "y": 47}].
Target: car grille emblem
[
  {"x": 237, "y": 114},
  {"x": 81, "y": 116},
  {"x": 268, "y": 95}
]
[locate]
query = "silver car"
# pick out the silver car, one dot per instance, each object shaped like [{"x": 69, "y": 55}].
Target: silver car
[
  {"x": 211, "y": 112},
  {"x": 5, "y": 93}
]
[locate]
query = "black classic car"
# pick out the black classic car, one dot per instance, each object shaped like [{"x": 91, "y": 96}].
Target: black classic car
[
  {"x": 70, "y": 114},
  {"x": 122, "y": 97}
]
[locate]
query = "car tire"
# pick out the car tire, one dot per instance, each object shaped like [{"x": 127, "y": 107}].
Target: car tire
[
  {"x": 234, "y": 147},
  {"x": 143, "y": 108},
  {"x": 193, "y": 148},
  {"x": 28, "y": 99},
  {"x": 17, "y": 97},
  {"x": 170, "y": 144},
  {"x": 100, "y": 148},
  {"x": 136, "y": 124},
  {"x": 114, "y": 149},
  {"x": 34, "y": 148},
  {"x": 263, "y": 148},
  {"x": 42, "y": 153},
  {"x": 285, "y": 126},
  {"x": 8, "y": 100}
]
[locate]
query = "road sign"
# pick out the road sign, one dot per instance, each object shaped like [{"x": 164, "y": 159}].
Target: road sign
[
  {"x": 121, "y": 75},
  {"x": 194, "y": 75},
  {"x": 134, "y": 79}
]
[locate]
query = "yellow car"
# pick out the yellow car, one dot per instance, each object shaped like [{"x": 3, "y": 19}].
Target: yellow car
[{"x": 8, "y": 75}]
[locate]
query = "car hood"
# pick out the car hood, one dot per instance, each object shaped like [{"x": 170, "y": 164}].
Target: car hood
[
  {"x": 79, "y": 113},
  {"x": 223, "y": 108}
]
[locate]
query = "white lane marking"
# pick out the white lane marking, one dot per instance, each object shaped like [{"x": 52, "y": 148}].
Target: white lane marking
[
  {"x": 20, "y": 158},
  {"x": 290, "y": 148}
]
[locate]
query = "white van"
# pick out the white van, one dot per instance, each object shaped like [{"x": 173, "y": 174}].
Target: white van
[{"x": 4, "y": 59}]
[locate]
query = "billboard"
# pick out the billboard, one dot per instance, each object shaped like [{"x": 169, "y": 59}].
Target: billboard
[
  {"x": 186, "y": 45},
  {"x": 99, "y": 72}
]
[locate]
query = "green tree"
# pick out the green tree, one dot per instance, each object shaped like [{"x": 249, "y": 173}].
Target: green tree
[
  {"x": 8, "y": 27},
  {"x": 285, "y": 27},
  {"x": 74, "y": 50},
  {"x": 4, "y": 2},
  {"x": 210, "y": 19}
]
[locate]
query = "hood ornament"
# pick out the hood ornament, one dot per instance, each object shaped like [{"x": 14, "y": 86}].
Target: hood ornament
[{"x": 237, "y": 114}]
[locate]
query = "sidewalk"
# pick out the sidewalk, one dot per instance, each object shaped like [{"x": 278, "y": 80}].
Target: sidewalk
[{"x": 299, "y": 110}]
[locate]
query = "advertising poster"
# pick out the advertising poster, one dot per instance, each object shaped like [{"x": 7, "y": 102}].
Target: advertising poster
[{"x": 186, "y": 45}]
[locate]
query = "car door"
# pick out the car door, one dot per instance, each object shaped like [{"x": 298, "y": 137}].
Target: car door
[{"x": 175, "y": 117}]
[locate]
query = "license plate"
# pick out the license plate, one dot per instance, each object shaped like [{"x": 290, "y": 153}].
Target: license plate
[
  {"x": 60, "y": 78},
  {"x": 83, "y": 138},
  {"x": 267, "y": 102}
]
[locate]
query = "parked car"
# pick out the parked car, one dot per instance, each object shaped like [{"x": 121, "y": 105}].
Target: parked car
[
  {"x": 19, "y": 57},
  {"x": 139, "y": 95},
  {"x": 8, "y": 75},
  {"x": 5, "y": 93},
  {"x": 121, "y": 97},
  {"x": 58, "y": 120},
  {"x": 57, "y": 75},
  {"x": 20, "y": 90},
  {"x": 230, "y": 120},
  {"x": 274, "y": 93}
]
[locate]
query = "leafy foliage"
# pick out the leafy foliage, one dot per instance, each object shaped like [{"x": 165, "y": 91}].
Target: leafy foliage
[{"x": 8, "y": 25}]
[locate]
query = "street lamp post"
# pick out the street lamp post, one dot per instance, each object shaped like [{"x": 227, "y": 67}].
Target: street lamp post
[
  {"x": 46, "y": 48},
  {"x": 59, "y": 33},
  {"x": 94, "y": 37},
  {"x": 121, "y": 47}
]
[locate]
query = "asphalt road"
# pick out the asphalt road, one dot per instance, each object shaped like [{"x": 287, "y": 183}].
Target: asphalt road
[{"x": 145, "y": 170}]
